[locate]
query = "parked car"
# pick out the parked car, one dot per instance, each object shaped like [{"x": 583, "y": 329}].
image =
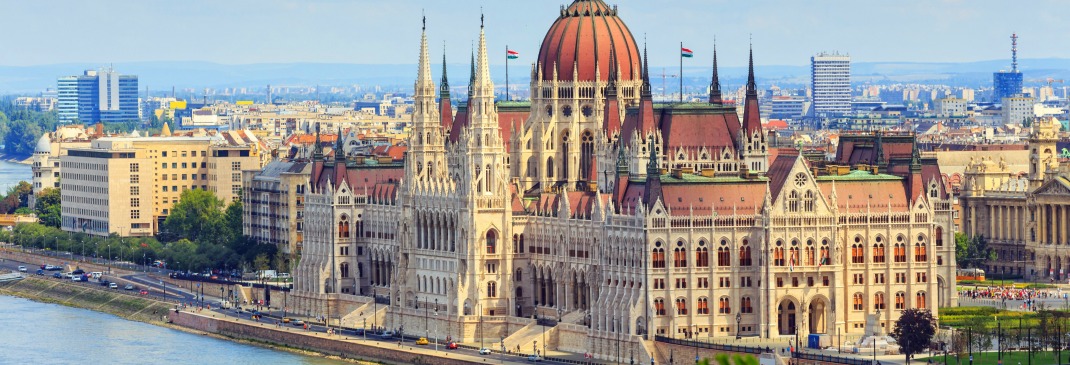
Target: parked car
[
  {"x": 422, "y": 341},
  {"x": 40, "y": 272},
  {"x": 128, "y": 287},
  {"x": 298, "y": 322},
  {"x": 452, "y": 346},
  {"x": 143, "y": 292},
  {"x": 57, "y": 275},
  {"x": 534, "y": 358},
  {"x": 52, "y": 268},
  {"x": 484, "y": 351},
  {"x": 76, "y": 278},
  {"x": 78, "y": 272},
  {"x": 286, "y": 320},
  {"x": 22, "y": 269},
  {"x": 113, "y": 286},
  {"x": 387, "y": 334},
  {"x": 104, "y": 283}
]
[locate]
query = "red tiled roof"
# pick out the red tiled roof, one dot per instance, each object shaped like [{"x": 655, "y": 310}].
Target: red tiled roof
[
  {"x": 722, "y": 198},
  {"x": 693, "y": 131},
  {"x": 586, "y": 32},
  {"x": 865, "y": 195}
]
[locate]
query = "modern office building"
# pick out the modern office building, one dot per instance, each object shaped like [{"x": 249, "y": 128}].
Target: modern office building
[
  {"x": 1008, "y": 83},
  {"x": 127, "y": 185},
  {"x": 97, "y": 96},
  {"x": 830, "y": 79},
  {"x": 273, "y": 204},
  {"x": 1017, "y": 109}
]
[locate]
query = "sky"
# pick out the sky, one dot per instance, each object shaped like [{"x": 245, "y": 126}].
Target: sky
[{"x": 387, "y": 32}]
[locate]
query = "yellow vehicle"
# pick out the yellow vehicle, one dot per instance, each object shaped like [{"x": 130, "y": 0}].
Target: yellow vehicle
[
  {"x": 422, "y": 341},
  {"x": 286, "y": 320}
]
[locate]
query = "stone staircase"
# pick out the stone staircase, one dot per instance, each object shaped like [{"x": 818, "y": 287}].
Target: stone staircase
[
  {"x": 374, "y": 314},
  {"x": 574, "y": 317},
  {"x": 526, "y": 335}
]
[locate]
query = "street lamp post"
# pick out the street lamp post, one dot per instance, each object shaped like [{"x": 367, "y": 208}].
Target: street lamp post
[
  {"x": 739, "y": 320},
  {"x": 875, "y": 336},
  {"x": 436, "y": 323}
]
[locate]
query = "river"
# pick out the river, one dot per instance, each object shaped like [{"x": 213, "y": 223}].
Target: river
[
  {"x": 11, "y": 173},
  {"x": 43, "y": 333}
]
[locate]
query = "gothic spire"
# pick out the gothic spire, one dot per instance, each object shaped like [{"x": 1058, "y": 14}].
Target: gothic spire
[
  {"x": 339, "y": 147},
  {"x": 715, "y": 82},
  {"x": 751, "y": 88},
  {"x": 424, "y": 85},
  {"x": 645, "y": 89},
  {"x": 444, "y": 89},
  {"x": 317, "y": 149}
]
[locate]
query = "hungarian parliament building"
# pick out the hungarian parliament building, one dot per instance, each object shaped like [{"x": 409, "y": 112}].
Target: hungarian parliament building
[{"x": 593, "y": 215}]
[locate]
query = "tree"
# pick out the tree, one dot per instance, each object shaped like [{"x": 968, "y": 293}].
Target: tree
[
  {"x": 21, "y": 139},
  {"x": 972, "y": 252},
  {"x": 962, "y": 247},
  {"x": 48, "y": 207},
  {"x": 914, "y": 331},
  {"x": 260, "y": 263},
  {"x": 198, "y": 216}
]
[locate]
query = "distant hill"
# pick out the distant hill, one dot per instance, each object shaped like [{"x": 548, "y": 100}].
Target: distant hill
[{"x": 162, "y": 75}]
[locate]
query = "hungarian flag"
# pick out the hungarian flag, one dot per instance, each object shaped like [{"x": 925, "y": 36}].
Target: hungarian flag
[
  {"x": 824, "y": 260},
  {"x": 511, "y": 54},
  {"x": 685, "y": 52}
]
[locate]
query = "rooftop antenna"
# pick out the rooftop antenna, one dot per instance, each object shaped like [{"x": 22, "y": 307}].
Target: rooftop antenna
[{"x": 1014, "y": 52}]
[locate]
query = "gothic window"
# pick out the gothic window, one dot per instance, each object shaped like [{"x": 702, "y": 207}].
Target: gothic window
[
  {"x": 939, "y": 237},
  {"x": 825, "y": 259},
  {"x": 800, "y": 179},
  {"x": 857, "y": 254},
  {"x": 659, "y": 307},
  {"x": 566, "y": 111},
  {"x": 878, "y": 253},
  {"x": 919, "y": 250},
  {"x": 919, "y": 300},
  {"x": 724, "y": 306},
  {"x": 679, "y": 257},
  {"x": 344, "y": 268},
  {"x": 808, "y": 201},
  {"x": 681, "y": 306},
  {"x": 565, "y": 144},
  {"x": 900, "y": 300},
  {"x": 703, "y": 306},
  {"x": 744, "y": 254},
  {"x": 878, "y": 301},
  {"x": 492, "y": 290},
  {"x": 516, "y": 244},
  {"x": 724, "y": 255},
  {"x": 859, "y": 302},
  {"x": 658, "y": 258},
  {"x": 492, "y": 242},
  {"x": 745, "y": 305},
  {"x": 702, "y": 255},
  {"x": 586, "y": 154},
  {"x": 343, "y": 226},
  {"x": 587, "y": 111},
  {"x": 778, "y": 254},
  {"x": 487, "y": 179},
  {"x": 533, "y": 166},
  {"x": 900, "y": 252},
  {"x": 550, "y": 167},
  {"x": 793, "y": 201},
  {"x": 810, "y": 253},
  {"x": 479, "y": 184}
]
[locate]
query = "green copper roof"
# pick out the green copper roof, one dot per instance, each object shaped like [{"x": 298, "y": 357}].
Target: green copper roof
[{"x": 859, "y": 175}]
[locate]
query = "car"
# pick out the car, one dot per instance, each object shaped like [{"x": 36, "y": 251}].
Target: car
[
  {"x": 78, "y": 272},
  {"x": 52, "y": 268},
  {"x": 128, "y": 287},
  {"x": 534, "y": 358},
  {"x": 22, "y": 269},
  {"x": 452, "y": 346},
  {"x": 40, "y": 272},
  {"x": 104, "y": 283},
  {"x": 358, "y": 332},
  {"x": 422, "y": 341},
  {"x": 57, "y": 275},
  {"x": 113, "y": 286},
  {"x": 76, "y": 278},
  {"x": 387, "y": 334},
  {"x": 298, "y": 322},
  {"x": 484, "y": 351},
  {"x": 286, "y": 320},
  {"x": 143, "y": 292}
]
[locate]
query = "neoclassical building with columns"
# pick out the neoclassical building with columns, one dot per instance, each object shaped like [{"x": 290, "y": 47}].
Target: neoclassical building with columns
[
  {"x": 595, "y": 216},
  {"x": 1025, "y": 218}
]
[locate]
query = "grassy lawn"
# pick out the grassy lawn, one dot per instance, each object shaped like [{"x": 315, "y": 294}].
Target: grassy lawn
[
  {"x": 961, "y": 316},
  {"x": 990, "y": 358}
]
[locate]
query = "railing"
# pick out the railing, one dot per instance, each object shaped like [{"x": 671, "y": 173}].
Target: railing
[
  {"x": 831, "y": 359},
  {"x": 713, "y": 346}
]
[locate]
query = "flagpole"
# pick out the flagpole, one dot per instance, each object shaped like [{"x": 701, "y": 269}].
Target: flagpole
[
  {"x": 506, "y": 72},
  {"x": 681, "y": 72}
]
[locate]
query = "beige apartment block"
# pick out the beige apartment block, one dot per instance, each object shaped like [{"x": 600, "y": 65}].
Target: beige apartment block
[{"x": 128, "y": 185}]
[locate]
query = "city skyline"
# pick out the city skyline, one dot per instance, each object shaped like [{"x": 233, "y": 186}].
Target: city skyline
[{"x": 327, "y": 31}]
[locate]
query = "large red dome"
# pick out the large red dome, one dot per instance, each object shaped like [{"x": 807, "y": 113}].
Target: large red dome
[{"x": 583, "y": 30}]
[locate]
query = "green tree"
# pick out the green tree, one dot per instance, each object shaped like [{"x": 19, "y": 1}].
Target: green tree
[
  {"x": 21, "y": 138},
  {"x": 198, "y": 216},
  {"x": 260, "y": 263},
  {"x": 48, "y": 207},
  {"x": 914, "y": 331}
]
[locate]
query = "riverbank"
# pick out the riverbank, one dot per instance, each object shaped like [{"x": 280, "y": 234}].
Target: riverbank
[
  {"x": 127, "y": 307},
  {"x": 19, "y": 159}
]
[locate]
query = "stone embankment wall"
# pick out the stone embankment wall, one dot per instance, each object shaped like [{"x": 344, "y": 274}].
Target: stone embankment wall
[{"x": 119, "y": 303}]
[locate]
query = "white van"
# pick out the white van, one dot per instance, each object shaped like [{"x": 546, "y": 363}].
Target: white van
[{"x": 96, "y": 274}]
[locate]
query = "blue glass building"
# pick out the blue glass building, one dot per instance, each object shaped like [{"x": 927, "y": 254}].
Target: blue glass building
[{"x": 97, "y": 96}]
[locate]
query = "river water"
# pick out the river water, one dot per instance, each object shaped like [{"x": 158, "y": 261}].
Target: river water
[
  {"x": 11, "y": 173},
  {"x": 43, "y": 333}
]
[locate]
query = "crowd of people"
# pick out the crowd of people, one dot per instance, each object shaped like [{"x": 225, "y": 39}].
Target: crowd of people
[{"x": 1028, "y": 296}]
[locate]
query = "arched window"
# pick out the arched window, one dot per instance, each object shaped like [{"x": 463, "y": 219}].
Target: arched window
[
  {"x": 492, "y": 242},
  {"x": 859, "y": 302},
  {"x": 778, "y": 255},
  {"x": 808, "y": 201},
  {"x": 550, "y": 167},
  {"x": 681, "y": 306},
  {"x": 702, "y": 255},
  {"x": 566, "y": 143},
  {"x": 900, "y": 252},
  {"x": 343, "y": 226},
  {"x": 878, "y": 253},
  {"x": 344, "y": 269},
  {"x": 900, "y": 300},
  {"x": 479, "y": 183},
  {"x": 744, "y": 254},
  {"x": 703, "y": 306},
  {"x": 811, "y": 253},
  {"x": 516, "y": 244},
  {"x": 533, "y": 167},
  {"x": 794, "y": 253},
  {"x": 939, "y": 237},
  {"x": 586, "y": 154},
  {"x": 657, "y": 258},
  {"x": 878, "y": 301},
  {"x": 679, "y": 257},
  {"x": 920, "y": 254},
  {"x": 659, "y": 307},
  {"x": 825, "y": 258},
  {"x": 492, "y": 290},
  {"x": 793, "y": 201},
  {"x": 919, "y": 300},
  {"x": 724, "y": 306},
  {"x": 745, "y": 305}
]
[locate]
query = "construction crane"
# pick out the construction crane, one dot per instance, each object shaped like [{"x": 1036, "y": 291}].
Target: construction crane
[{"x": 664, "y": 75}]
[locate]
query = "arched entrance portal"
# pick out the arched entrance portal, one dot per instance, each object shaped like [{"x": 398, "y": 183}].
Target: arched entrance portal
[
  {"x": 818, "y": 316},
  {"x": 786, "y": 320}
]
